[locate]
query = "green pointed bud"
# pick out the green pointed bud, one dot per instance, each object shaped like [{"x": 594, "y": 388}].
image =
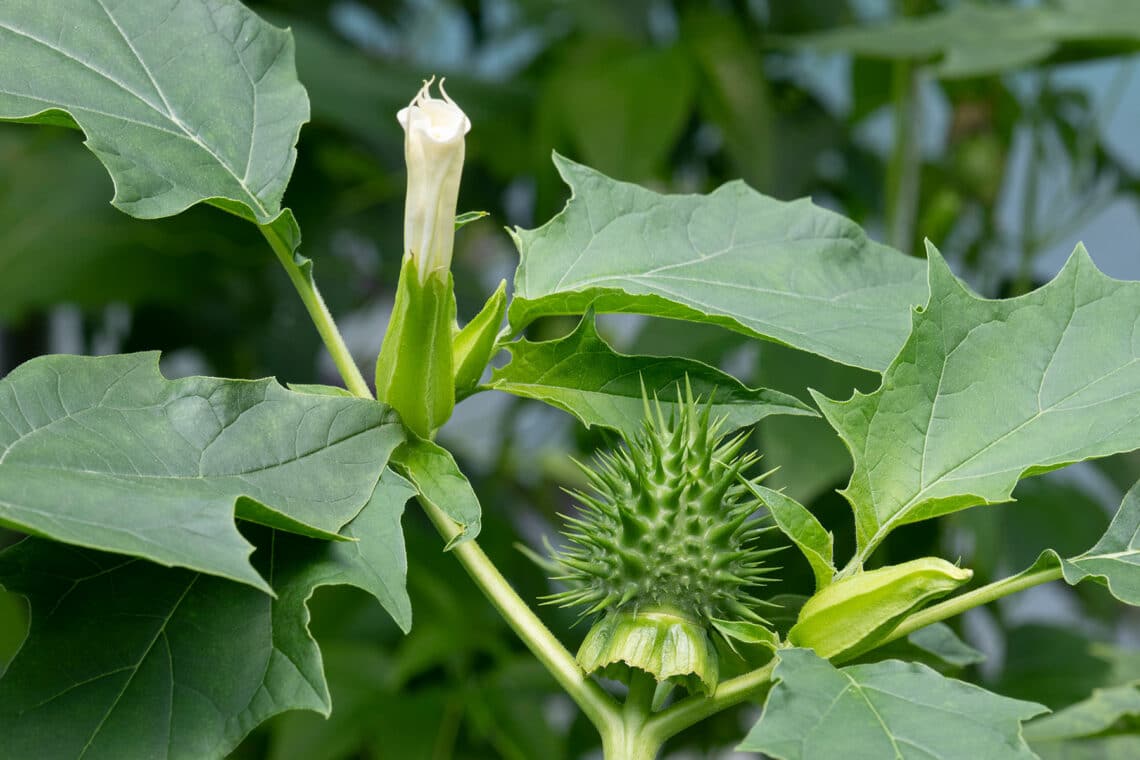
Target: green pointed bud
[
  {"x": 414, "y": 373},
  {"x": 475, "y": 343},
  {"x": 669, "y": 646},
  {"x": 852, "y": 615},
  {"x": 415, "y": 370}
]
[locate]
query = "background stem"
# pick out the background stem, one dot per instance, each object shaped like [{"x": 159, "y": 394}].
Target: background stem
[
  {"x": 320, "y": 315},
  {"x": 904, "y": 163}
]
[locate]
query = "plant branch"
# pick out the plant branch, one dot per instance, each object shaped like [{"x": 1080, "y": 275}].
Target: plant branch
[
  {"x": 904, "y": 164},
  {"x": 696, "y": 708},
  {"x": 984, "y": 595},
  {"x": 320, "y": 315},
  {"x": 598, "y": 706}
]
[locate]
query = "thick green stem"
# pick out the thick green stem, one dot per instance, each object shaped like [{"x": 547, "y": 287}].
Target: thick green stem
[
  {"x": 627, "y": 738},
  {"x": 905, "y": 161},
  {"x": 676, "y": 718},
  {"x": 320, "y": 315},
  {"x": 598, "y": 706},
  {"x": 976, "y": 598}
]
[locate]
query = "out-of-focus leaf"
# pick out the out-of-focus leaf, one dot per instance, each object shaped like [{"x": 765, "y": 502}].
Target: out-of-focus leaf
[
  {"x": 1098, "y": 748},
  {"x": 106, "y": 453},
  {"x": 582, "y": 375},
  {"x": 13, "y": 626},
  {"x": 953, "y": 427},
  {"x": 609, "y": 99},
  {"x": 733, "y": 92},
  {"x": 885, "y": 709},
  {"x": 1051, "y": 665},
  {"x": 935, "y": 645},
  {"x": 183, "y": 102},
  {"x": 810, "y": 456},
  {"x": 1097, "y": 714},
  {"x": 73, "y": 247},
  {"x": 789, "y": 272},
  {"x": 975, "y": 39}
]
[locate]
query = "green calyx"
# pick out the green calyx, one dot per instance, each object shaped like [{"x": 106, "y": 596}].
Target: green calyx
[
  {"x": 667, "y": 531},
  {"x": 671, "y": 647},
  {"x": 415, "y": 370}
]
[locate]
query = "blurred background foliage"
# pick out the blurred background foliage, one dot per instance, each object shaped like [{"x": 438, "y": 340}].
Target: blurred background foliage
[{"x": 1003, "y": 131}]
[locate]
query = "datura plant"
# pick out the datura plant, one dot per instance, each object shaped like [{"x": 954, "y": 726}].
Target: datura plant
[{"x": 176, "y": 529}]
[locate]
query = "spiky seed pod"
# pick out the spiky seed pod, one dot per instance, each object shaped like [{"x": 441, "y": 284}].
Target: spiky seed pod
[{"x": 665, "y": 548}]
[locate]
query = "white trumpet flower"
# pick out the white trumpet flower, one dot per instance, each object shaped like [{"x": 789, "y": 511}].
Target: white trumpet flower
[{"x": 434, "y": 131}]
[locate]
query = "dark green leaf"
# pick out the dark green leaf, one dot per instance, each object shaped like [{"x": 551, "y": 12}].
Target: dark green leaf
[
  {"x": 106, "y": 453},
  {"x": 584, "y": 376},
  {"x": 182, "y": 102},
  {"x": 886, "y": 709},
  {"x": 790, "y": 272},
  {"x": 125, "y": 659},
  {"x": 952, "y": 426}
]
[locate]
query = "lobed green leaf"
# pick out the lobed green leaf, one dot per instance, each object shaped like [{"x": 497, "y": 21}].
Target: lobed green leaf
[
  {"x": 789, "y": 272},
  {"x": 986, "y": 392},
  {"x": 582, "y": 375},
  {"x": 125, "y": 659},
  {"x": 182, "y": 101},
  {"x": 887, "y": 709},
  {"x": 106, "y": 453}
]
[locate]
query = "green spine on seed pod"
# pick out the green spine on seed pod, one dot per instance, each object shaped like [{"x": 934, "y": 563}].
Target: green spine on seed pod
[{"x": 665, "y": 550}]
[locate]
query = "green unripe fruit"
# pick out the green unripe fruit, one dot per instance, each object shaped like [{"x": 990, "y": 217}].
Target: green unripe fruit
[{"x": 665, "y": 543}]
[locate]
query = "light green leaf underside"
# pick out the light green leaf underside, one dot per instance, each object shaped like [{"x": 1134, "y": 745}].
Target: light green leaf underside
[
  {"x": 1099, "y": 713},
  {"x": 887, "y": 709},
  {"x": 986, "y": 392},
  {"x": 438, "y": 479},
  {"x": 106, "y": 453},
  {"x": 182, "y": 100},
  {"x": 803, "y": 529},
  {"x": 1115, "y": 560},
  {"x": 582, "y": 375},
  {"x": 789, "y": 272},
  {"x": 125, "y": 659},
  {"x": 972, "y": 39}
]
